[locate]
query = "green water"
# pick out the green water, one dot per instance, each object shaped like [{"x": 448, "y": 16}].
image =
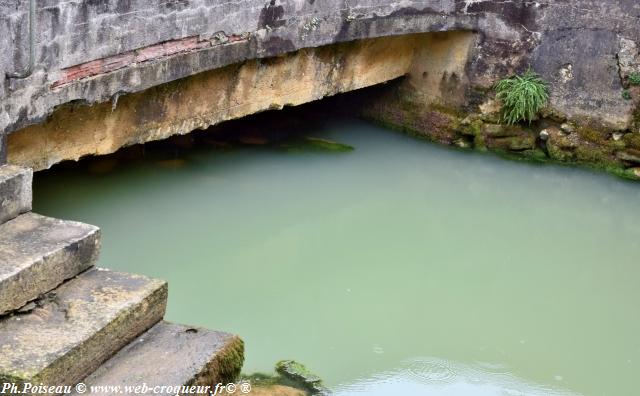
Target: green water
[{"x": 401, "y": 268}]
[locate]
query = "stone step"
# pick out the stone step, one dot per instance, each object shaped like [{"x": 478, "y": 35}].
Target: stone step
[
  {"x": 15, "y": 191},
  {"x": 78, "y": 326},
  {"x": 170, "y": 355},
  {"x": 38, "y": 253}
]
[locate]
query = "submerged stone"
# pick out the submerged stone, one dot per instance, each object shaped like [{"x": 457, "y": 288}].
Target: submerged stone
[
  {"x": 328, "y": 145},
  {"x": 172, "y": 163},
  {"x": 300, "y": 375}
]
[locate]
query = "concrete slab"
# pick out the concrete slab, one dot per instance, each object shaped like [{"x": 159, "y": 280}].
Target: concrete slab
[
  {"x": 15, "y": 191},
  {"x": 38, "y": 253},
  {"x": 78, "y": 326},
  {"x": 172, "y": 355}
]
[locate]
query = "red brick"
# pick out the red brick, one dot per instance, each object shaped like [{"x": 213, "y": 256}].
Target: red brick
[
  {"x": 84, "y": 69},
  {"x": 151, "y": 52},
  {"x": 112, "y": 63},
  {"x": 117, "y": 62},
  {"x": 176, "y": 46}
]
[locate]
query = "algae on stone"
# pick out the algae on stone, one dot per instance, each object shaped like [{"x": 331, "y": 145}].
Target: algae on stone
[{"x": 302, "y": 376}]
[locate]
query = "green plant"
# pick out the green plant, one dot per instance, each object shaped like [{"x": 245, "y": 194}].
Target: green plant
[
  {"x": 626, "y": 94},
  {"x": 634, "y": 78},
  {"x": 522, "y": 96}
]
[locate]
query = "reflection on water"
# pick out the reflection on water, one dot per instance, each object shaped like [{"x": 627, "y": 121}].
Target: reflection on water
[
  {"x": 360, "y": 263},
  {"x": 436, "y": 377}
]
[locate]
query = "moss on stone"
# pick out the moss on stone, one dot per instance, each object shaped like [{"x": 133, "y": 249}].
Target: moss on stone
[
  {"x": 452, "y": 111},
  {"x": 433, "y": 122},
  {"x": 290, "y": 373},
  {"x": 231, "y": 361},
  {"x": 617, "y": 144},
  {"x": 591, "y": 154},
  {"x": 635, "y": 119},
  {"x": 632, "y": 140},
  {"x": 536, "y": 155},
  {"x": 480, "y": 143},
  {"x": 616, "y": 170},
  {"x": 289, "y": 367},
  {"x": 561, "y": 155},
  {"x": 261, "y": 379},
  {"x": 586, "y": 144},
  {"x": 512, "y": 143},
  {"x": 593, "y": 135},
  {"x": 476, "y": 127},
  {"x": 553, "y": 114},
  {"x": 298, "y": 373},
  {"x": 470, "y": 127}
]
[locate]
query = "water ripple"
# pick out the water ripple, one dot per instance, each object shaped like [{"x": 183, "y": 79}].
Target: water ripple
[
  {"x": 430, "y": 371},
  {"x": 440, "y": 377}
]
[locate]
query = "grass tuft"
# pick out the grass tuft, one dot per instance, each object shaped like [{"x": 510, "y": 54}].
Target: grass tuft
[{"x": 522, "y": 97}]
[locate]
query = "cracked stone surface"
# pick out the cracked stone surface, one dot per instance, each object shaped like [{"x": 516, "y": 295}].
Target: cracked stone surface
[
  {"x": 173, "y": 355},
  {"x": 38, "y": 253},
  {"x": 79, "y": 326},
  {"x": 15, "y": 192}
]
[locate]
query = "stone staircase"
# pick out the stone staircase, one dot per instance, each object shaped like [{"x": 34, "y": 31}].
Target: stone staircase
[{"x": 64, "y": 321}]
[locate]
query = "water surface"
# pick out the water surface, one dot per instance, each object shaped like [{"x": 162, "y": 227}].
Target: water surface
[{"x": 398, "y": 268}]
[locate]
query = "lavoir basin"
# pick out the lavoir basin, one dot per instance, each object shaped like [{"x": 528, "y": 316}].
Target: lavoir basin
[{"x": 397, "y": 268}]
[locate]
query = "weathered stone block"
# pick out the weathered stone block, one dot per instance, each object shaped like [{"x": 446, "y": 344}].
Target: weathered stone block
[
  {"x": 77, "y": 327},
  {"x": 38, "y": 253},
  {"x": 15, "y": 191},
  {"x": 173, "y": 355},
  {"x": 512, "y": 143}
]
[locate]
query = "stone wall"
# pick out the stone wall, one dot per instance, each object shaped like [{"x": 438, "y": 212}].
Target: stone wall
[
  {"x": 93, "y": 52},
  {"x": 439, "y": 100}
]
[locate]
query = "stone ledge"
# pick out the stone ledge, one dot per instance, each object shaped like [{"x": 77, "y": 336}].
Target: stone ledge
[
  {"x": 173, "y": 355},
  {"x": 38, "y": 253},
  {"x": 15, "y": 191},
  {"x": 78, "y": 326}
]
